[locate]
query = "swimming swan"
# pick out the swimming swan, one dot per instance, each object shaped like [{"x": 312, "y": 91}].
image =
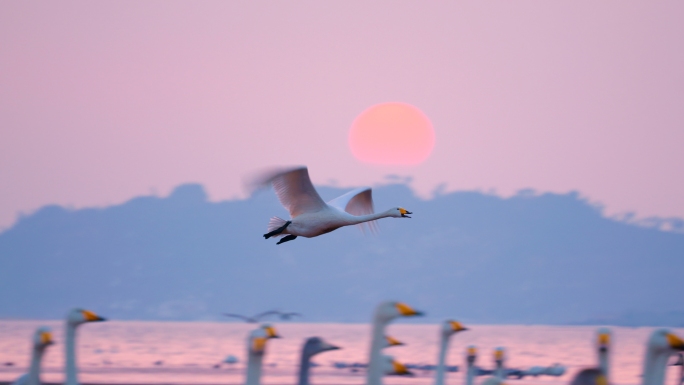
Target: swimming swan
[
  {"x": 592, "y": 376},
  {"x": 256, "y": 348},
  {"x": 42, "y": 338},
  {"x": 448, "y": 329},
  {"x": 312, "y": 346},
  {"x": 471, "y": 357},
  {"x": 75, "y": 318},
  {"x": 311, "y": 216},
  {"x": 659, "y": 348},
  {"x": 385, "y": 312}
]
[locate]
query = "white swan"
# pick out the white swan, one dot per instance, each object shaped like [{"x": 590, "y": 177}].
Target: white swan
[
  {"x": 392, "y": 367},
  {"x": 42, "y": 338},
  {"x": 256, "y": 348},
  {"x": 312, "y": 346},
  {"x": 449, "y": 328},
  {"x": 499, "y": 359},
  {"x": 599, "y": 374},
  {"x": 311, "y": 216},
  {"x": 471, "y": 357},
  {"x": 661, "y": 345},
  {"x": 75, "y": 318},
  {"x": 385, "y": 312}
]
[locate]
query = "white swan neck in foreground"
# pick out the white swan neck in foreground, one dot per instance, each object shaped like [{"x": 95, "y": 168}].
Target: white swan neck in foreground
[
  {"x": 661, "y": 345},
  {"x": 75, "y": 318},
  {"x": 312, "y": 346},
  {"x": 256, "y": 348},
  {"x": 448, "y": 329},
  {"x": 384, "y": 314}
]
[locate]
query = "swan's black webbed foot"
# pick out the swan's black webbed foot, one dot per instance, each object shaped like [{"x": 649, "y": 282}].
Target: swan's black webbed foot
[
  {"x": 278, "y": 230},
  {"x": 287, "y": 238}
]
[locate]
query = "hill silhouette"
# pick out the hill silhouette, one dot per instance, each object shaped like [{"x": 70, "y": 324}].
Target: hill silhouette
[{"x": 550, "y": 258}]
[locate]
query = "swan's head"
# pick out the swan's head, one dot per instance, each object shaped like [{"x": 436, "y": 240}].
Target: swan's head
[
  {"x": 499, "y": 354},
  {"x": 81, "y": 316},
  {"x": 315, "y": 345},
  {"x": 42, "y": 338},
  {"x": 603, "y": 339},
  {"x": 391, "y": 341},
  {"x": 259, "y": 337},
  {"x": 399, "y": 212},
  {"x": 471, "y": 354},
  {"x": 393, "y": 367},
  {"x": 663, "y": 340},
  {"x": 387, "y": 311},
  {"x": 450, "y": 327}
]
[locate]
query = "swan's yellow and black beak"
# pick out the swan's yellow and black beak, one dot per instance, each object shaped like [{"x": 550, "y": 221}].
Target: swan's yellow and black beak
[
  {"x": 46, "y": 338},
  {"x": 400, "y": 369},
  {"x": 675, "y": 342},
  {"x": 403, "y": 212},
  {"x": 259, "y": 344},
  {"x": 391, "y": 341},
  {"x": 271, "y": 332},
  {"x": 457, "y": 326},
  {"x": 471, "y": 351},
  {"x": 89, "y": 316},
  {"x": 498, "y": 354},
  {"x": 406, "y": 310}
]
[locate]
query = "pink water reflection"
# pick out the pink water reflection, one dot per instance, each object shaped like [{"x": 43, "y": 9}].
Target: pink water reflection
[{"x": 126, "y": 352}]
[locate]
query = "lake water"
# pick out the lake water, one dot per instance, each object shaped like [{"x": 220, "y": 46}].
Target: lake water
[{"x": 126, "y": 351}]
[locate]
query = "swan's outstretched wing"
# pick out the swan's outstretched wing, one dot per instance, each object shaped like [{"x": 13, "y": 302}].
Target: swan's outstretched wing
[
  {"x": 246, "y": 319},
  {"x": 259, "y": 316},
  {"x": 294, "y": 190},
  {"x": 357, "y": 202}
]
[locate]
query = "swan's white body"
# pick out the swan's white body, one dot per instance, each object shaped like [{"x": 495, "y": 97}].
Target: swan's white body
[
  {"x": 75, "y": 318},
  {"x": 471, "y": 357},
  {"x": 256, "y": 348},
  {"x": 448, "y": 329},
  {"x": 42, "y": 338},
  {"x": 384, "y": 314},
  {"x": 310, "y": 215},
  {"x": 661, "y": 345}
]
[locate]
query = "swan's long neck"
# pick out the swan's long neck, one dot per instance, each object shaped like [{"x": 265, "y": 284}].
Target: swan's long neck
[
  {"x": 441, "y": 361},
  {"x": 355, "y": 220},
  {"x": 603, "y": 362},
  {"x": 499, "y": 372},
  {"x": 375, "y": 362},
  {"x": 470, "y": 371},
  {"x": 70, "y": 355},
  {"x": 654, "y": 367},
  {"x": 34, "y": 369},
  {"x": 254, "y": 362},
  {"x": 304, "y": 366}
]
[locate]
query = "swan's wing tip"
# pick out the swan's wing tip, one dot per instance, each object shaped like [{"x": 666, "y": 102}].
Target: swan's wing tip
[{"x": 263, "y": 178}]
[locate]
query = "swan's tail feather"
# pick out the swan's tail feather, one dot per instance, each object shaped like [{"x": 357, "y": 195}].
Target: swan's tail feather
[{"x": 276, "y": 223}]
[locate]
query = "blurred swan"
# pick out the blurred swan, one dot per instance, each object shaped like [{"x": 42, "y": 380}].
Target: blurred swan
[
  {"x": 312, "y": 346},
  {"x": 256, "y": 348},
  {"x": 257, "y": 318},
  {"x": 385, "y": 312},
  {"x": 661, "y": 345},
  {"x": 75, "y": 318},
  {"x": 471, "y": 357},
  {"x": 311, "y": 216},
  {"x": 42, "y": 338},
  {"x": 680, "y": 363},
  {"x": 392, "y": 367},
  {"x": 449, "y": 328},
  {"x": 499, "y": 359},
  {"x": 591, "y": 376}
]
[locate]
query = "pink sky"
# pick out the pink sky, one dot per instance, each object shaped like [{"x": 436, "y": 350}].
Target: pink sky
[{"x": 100, "y": 102}]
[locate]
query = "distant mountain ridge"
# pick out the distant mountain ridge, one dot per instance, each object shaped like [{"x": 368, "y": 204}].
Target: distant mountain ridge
[{"x": 550, "y": 258}]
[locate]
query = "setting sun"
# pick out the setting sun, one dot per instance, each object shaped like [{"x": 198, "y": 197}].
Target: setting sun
[{"x": 392, "y": 134}]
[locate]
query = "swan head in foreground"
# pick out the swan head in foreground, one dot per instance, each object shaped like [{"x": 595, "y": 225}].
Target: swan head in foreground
[
  {"x": 664, "y": 341},
  {"x": 260, "y": 336},
  {"x": 42, "y": 338},
  {"x": 387, "y": 311},
  {"x": 80, "y": 316},
  {"x": 399, "y": 212},
  {"x": 451, "y": 327}
]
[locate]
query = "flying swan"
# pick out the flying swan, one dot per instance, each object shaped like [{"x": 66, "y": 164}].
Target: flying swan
[{"x": 310, "y": 216}]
